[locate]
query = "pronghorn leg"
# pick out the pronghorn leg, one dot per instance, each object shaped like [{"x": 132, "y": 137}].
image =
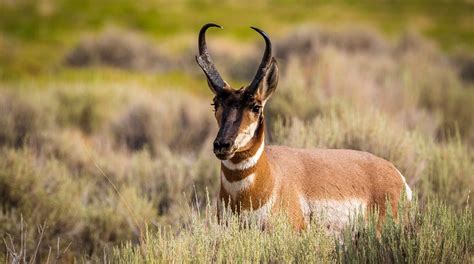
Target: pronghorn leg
[{"x": 383, "y": 208}]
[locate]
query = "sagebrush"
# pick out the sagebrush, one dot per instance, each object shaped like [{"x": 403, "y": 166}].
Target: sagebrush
[{"x": 122, "y": 171}]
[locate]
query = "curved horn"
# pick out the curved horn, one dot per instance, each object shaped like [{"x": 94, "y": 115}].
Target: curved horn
[
  {"x": 266, "y": 60},
  {"x": 205, "y": 62}
]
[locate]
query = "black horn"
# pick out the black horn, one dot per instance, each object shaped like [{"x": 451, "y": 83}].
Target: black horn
[
  {"x": 205, "y": 62},
  {"x": 266, "y": 60}
]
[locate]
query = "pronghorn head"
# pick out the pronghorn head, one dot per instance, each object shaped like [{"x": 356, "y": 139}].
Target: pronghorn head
[{"x": 239, "y": 112}]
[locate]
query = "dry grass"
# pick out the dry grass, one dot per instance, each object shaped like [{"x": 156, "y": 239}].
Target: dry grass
[
  {"x": 118, "y": 48},
  {"x": 432, "y": 234}
]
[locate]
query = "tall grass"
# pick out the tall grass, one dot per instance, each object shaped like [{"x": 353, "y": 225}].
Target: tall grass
[{"x": 431, "y": 234}]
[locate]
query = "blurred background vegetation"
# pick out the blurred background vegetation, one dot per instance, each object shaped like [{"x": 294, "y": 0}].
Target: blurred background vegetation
[
  {"x": 106, "y": 128},
  {"x": 36, "y": 35}
]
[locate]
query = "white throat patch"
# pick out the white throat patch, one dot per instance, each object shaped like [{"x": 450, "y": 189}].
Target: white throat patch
[
  {"x": 248, "y": 163},
  {"x": 233, "y": 188},
  {"x": 245, "y": 136}
]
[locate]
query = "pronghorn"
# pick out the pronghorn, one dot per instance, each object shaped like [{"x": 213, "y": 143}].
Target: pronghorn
[{"x": 302, "y": 183}]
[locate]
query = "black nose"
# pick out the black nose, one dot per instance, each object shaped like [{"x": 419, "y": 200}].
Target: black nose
[{"x": 222, "y": 144}]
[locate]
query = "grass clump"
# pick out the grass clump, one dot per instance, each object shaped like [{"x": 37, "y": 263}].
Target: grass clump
[
  {"x": 407, "y": 239},
  {"x": 153, "y": 125},
  {"x": 413, "y": 83},
  {"x": 21, "y": 120},
  {"x": 119, "y": 49},
  {"x": 431, "y": 233}
]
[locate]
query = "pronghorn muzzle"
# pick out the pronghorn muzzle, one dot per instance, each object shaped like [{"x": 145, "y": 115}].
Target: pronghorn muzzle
[
  {"x": 224, "y": 144},
  {"x": 223, "y": 148}
]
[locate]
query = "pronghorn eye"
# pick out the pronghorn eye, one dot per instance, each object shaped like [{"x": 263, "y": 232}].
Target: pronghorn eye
[{"x": 256, "y": 108}]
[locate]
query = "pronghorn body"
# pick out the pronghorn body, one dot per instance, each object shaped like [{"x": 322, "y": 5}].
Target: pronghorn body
[
  {"x": 302, "y": 183},
  {"x": 328, "y": 183}
]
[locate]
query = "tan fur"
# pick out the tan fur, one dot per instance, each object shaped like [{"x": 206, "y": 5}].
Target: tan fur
[
  {"x": 315, "y": 174},
  {"x": 312, "y": 175}
]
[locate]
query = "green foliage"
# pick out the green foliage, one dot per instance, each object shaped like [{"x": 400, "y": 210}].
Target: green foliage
[
  {"x": 35, "y": 35},
  {"x": 110, "y": 161},
  {"x": 433, "y": 234},
  {"x": 81, "y": 110},
  {"x": 90, "y": 189},
  {"x": 44, "y": 19},
  {"x": 94, "y": 191},
  {"x": 21, "y": 121}
]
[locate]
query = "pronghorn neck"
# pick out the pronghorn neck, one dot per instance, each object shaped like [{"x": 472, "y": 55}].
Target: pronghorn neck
[{"x": 246, "y": 178}]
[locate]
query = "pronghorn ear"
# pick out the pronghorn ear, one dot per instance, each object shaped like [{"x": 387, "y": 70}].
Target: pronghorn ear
[{"x": 270, "y": 82}]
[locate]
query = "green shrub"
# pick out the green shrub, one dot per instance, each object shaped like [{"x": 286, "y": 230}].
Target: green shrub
[
  {"x": 79, "y": 108},
  {"x": 173, "y": 120},
  {"x": 21, "y": 122},
  {"x": 433, "y": 233}
]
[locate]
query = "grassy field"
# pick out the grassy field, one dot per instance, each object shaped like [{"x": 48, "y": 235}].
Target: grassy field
[
  {"x": 106, "y": 126},
  {"x": 35, "y": 35}
]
